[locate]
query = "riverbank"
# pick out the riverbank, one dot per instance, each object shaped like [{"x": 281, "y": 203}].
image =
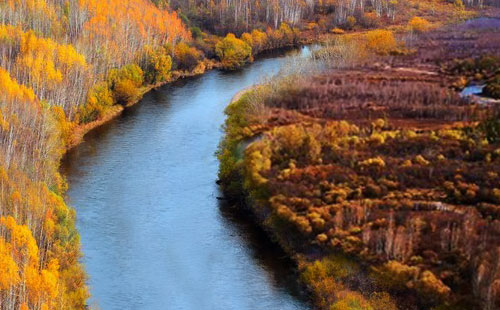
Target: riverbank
[{"x": 79, "y": 131}]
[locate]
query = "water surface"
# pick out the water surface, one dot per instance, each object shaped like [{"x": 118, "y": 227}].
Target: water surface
[{"x": 153, "y": 233}]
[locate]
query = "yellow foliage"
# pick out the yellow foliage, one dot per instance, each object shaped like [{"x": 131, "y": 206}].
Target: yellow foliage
[
  {"x": 348, "y": 300},
  {"x": 233, "y": 52},
  {"x": 9, "y": 275},
  {"x": 186, "y": 56},
  {"x": 376, "y": 139},
  {"x": 259, "y": 40},
  {"x": 11, "y": 90},
  {"x": 419, "y": 24},
  {"x": 429, "y": 285},
  {"x": 125, "y": 91},
  {"x": 381, "y": 41},
  {"x": 65, "y": 126},
  {"x": 373, "y": 162},
  {"x": 337, "y": 31},
  {"x": 421, "y": 160}
]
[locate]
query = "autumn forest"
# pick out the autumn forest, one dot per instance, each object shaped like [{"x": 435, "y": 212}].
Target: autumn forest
[{"x": 367, "y": 162}]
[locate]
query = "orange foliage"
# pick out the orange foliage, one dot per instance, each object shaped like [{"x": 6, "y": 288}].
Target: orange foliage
[{"x": 126, "y": 26}]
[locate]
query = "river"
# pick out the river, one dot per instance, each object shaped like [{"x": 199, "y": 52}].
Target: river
[{"x": 154, "y": 235}]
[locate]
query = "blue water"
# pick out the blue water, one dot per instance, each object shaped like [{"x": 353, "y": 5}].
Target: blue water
[{"x": 154, "y": 235}]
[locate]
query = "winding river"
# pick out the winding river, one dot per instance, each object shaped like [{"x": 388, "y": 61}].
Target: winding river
[{"x": 153, "y": 233}]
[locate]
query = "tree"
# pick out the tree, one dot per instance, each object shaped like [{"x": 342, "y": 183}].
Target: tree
[
  {"x": 157, "y": 65},
  {"x": 233, "y": 52},
  {"x": 187, "y": 57}
]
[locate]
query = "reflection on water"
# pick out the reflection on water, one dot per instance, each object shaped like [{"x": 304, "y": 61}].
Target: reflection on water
[{"x": 153, "y": 233}]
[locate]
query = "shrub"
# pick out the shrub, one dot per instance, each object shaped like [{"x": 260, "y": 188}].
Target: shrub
[
  {"x": 125, "y": 91},
  {"x": 99, "y": 99},
  {"x": 370, "y": 20},
  {"x": 158, "y": 65},
  {"x": 382, "y": 301},
  {"x": 124, "y": 83},
  {"x": 348, "y": 300},
  {"x": 419, "y": 24},
  {"x": 430, "y": 286},
  {"x": 337, "y": 31},
  {"x": 247, "y": 38},
  {"x": 312, "y": 26},
  {"x": 350, "y": 22},
  {"x": 395, "y": 275},
  {"x": 259, "y": 40},
  {"x": 287, "y": 32},
  {"x": 421, "y": 160},
  {"x": 65, "y": 126},
  {"x": 334, "y": 266},
  {"x": 376, "y": 139},
  {"x": 491, "y": 128},
  {"x": 187, "y": 57},
  {"x": 381, "y": 41},
  {"x": 492, "y": 88},
  {"x": 373, "y": 162},
  {"x": 459, "y": 4},
  {"x": 233, "y": 52},
  {"x": 131, "y": 72},
  {"x": 196, "y": 32}
]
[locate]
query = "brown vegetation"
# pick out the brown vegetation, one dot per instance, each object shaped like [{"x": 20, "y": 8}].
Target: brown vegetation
[{"x": 387, "y": 166}]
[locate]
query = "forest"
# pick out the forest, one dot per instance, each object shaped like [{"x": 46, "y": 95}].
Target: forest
[{"x": 331, "y": 178}]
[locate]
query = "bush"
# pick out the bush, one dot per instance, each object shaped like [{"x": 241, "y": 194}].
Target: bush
[
  {"x": 419, "y": 24},
  {"x": 233, "y": 52},
  {"x": 350, "y": 22},
  {"x": 395, "y": 275},
  {"x": 351, "y": 301},
  {"x": 337, "y": 31},
  {"x": 370, "y": 20},
  {"x": 99, "y": 99},
  {"x": 381, "y": 41},
  {"x": 287, "y": 33},
  {"x": 491, "y": 128},
  {"x": 158, "y": 65},
  {"x": 247, "y": 38},
  {"x": 196, "y": 32},
  {"x": 125, "y": 91},
  {"x": 492, "y": 88},
  {"x": 206, "y": 46},
  {"x": 131, "y": 72},
  {"x": 125, "y": 83},
  {"x": 187, "y": 57},
  {"x": 259, "y": 40}
]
